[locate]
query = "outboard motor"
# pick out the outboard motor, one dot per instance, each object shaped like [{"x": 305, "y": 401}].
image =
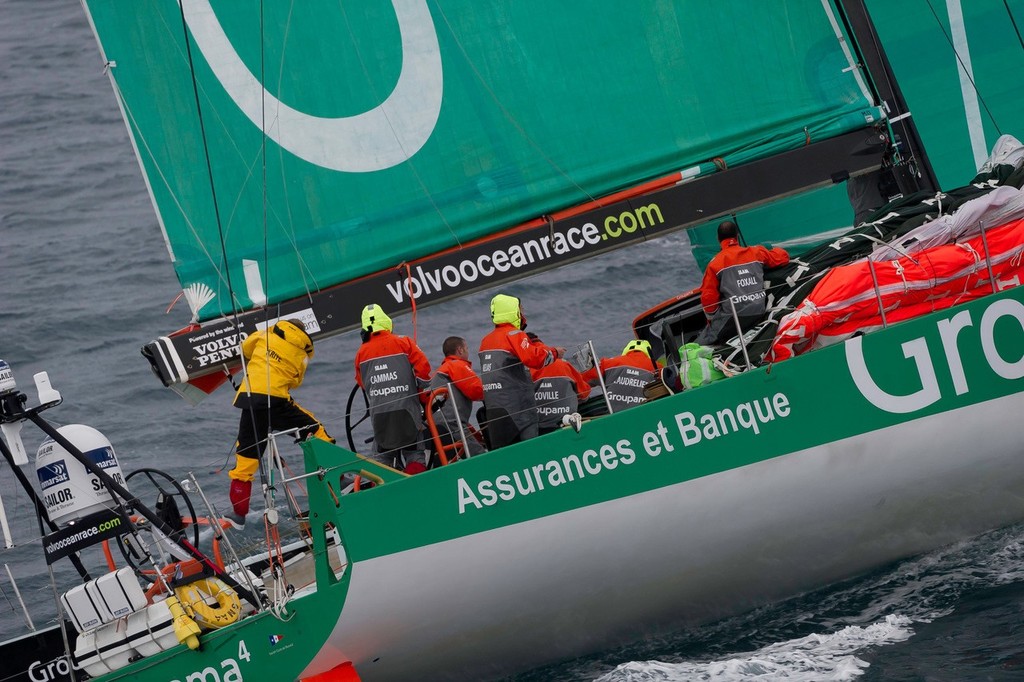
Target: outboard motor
[{"x": 69, "y": 490}]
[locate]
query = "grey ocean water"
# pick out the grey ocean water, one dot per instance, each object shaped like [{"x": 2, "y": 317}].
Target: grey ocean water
[{"x": 85, "y": 281}]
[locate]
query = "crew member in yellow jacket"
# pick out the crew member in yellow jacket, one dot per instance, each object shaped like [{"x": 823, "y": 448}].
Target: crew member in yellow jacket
[{"x": 275, "y": 362}]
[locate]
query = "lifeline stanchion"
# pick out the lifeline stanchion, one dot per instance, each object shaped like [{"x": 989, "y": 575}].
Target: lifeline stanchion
[
  {"x": 220, "y": 535},
  {"x": 17, "y": 593},
  {"x": 739, "y": 332},
  {"x": 600, "y": 376},
  {"x": 878, "y": 293},
  {"x": 458, "y": 418},
  {"x": 988, "y": 258}
]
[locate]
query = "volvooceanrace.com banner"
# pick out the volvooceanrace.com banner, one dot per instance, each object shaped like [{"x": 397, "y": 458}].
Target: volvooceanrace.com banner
[{"x": 84, "y": 533}]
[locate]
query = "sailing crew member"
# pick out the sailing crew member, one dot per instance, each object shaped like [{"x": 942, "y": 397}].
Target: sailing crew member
[
  {"x": 466, "y": 387},
  {"x": 625, "y": 375},
  {"x": 558, "y": 388},
  {"x": 393, "y": 370},
  {"x": 275, "y": 361},
  {"x": 735, "y": 277},
  {"x": 507, "y": 355}
]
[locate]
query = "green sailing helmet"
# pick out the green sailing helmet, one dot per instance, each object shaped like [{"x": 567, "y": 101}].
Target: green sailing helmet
[
  {"x": 505, "y": 309},
  {"x": 638, "y": 344},
  {"x": 374, "y": 319}
]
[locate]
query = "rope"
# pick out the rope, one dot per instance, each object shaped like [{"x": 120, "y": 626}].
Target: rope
[{"x": 206, "y": 153}]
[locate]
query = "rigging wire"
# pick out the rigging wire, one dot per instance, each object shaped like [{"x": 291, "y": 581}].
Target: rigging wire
[
  {"x": 213, "y": 190},
  {"x": 249, "y": 165},
  {"x": 409, "y": 159},
  {"x": 266, "y": 255},
  {"x": 1013, "y": 21},
  {"x": 963, "y": 67},
  {"x": 206, "y": 153},
  {"x": 304, "y": 269},
  {"x": 508, "y": 114}
]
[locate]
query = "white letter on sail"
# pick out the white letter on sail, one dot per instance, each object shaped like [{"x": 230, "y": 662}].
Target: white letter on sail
[
  {"x": 916, "y": 350},
  {"x": 373, "y": 140}
]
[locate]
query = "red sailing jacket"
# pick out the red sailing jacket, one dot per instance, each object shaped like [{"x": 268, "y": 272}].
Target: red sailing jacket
[
  {"x": 635, "y": 358},
  {"x": 462, "y": 376},
  {"x": 564, "y": 368},
  {"x": 734, "y": 254},
  {"x": 385, "y": 343},
  {"x": 533, "y": 354}
]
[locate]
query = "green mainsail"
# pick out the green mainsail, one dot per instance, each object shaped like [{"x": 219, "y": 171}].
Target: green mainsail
[{"x": 324, "y": 141}]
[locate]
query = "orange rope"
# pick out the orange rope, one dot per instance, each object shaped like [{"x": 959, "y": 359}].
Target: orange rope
[
  {"x": 176, "y": 299},
  {"x": 273, "y": 546}
]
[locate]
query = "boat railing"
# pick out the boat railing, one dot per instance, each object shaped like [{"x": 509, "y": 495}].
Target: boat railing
[
  {"x": 988, "y": 256},
  {"x": 457, "y": 448},
  {"x": 600, "y": 375}
]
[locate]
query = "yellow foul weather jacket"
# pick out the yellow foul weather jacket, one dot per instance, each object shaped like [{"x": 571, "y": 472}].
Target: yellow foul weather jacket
[{"x": 276, "y": 360}]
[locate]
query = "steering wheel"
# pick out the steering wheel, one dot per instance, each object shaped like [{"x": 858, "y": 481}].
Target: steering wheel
[
  {"x": 167, "y": 493},
  {"x": 349, "y": 425}
]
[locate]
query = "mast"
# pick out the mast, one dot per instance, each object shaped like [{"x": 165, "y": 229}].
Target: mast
[{"x": 913, "y": 172}]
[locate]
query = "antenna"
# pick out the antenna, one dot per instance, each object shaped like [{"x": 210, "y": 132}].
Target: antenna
[
  {"x": 46, "y": 392},
  {"x": 12, "y": 408}
]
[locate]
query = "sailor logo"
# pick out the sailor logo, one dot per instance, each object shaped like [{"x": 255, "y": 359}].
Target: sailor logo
[
  {"x": 949, "y": 333},
  {"x": 274, "y": 639},
  {"x": 52, "y": 474}
]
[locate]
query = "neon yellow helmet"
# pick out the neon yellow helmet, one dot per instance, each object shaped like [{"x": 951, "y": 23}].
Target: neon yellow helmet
[
  {"x": 505, "y": 309},
  {"x": 374, "y": 319},
  {"x": 638, "y": 344}
]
